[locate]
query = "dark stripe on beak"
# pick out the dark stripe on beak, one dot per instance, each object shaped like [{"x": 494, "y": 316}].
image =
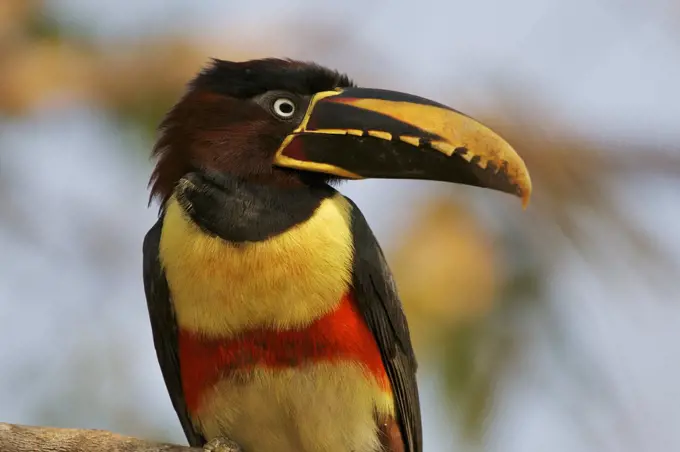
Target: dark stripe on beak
[
  {"x": 335, "y": 115},
  {"x": 376, "y": 158}
]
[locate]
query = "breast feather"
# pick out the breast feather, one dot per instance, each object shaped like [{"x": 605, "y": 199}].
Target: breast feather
[{"x": 220, "y": 288}]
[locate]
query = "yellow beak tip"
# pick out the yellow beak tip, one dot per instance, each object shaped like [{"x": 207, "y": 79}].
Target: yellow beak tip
[
  {"x": 525, "y": 201},
  {"x": 525, "y": 194}
]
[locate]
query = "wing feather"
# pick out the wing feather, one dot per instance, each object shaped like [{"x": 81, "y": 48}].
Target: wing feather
[
  {"x": 379, "y": 302},
  {"x": 164, "y": 328}
]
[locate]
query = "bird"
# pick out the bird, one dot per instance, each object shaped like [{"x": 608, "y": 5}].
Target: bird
[{"x": 276, "y": 320}]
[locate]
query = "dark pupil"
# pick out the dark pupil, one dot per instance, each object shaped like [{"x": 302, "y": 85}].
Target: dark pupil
[{"x": 286, "y": 108}]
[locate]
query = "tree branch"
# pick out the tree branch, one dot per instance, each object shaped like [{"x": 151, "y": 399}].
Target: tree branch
[{"x": 22, "y": 438}]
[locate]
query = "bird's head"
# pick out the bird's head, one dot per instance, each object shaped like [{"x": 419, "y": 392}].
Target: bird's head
[{"x": 285, "y": 122}]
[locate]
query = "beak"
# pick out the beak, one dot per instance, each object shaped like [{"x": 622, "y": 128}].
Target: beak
[{"x": 360, "y": 133}]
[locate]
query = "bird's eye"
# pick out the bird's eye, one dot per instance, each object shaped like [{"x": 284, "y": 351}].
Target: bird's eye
[{"x": 284, "y": 107}]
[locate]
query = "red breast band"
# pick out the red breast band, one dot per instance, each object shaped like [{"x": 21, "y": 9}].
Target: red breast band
[{"x": 341, "y": 335}]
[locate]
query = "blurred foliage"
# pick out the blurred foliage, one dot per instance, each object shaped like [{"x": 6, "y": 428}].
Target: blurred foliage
[
  {"x": 136, "y": 80},
  {"x": 465, "y": 286},
  {"x": 446, "y": 268}
]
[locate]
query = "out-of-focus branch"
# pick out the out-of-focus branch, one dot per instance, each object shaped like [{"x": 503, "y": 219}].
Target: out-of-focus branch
[{"x": 22, "y": 438}]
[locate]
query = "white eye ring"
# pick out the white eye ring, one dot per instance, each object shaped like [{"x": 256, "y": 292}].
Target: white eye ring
[{"x": 284, "y": 107}]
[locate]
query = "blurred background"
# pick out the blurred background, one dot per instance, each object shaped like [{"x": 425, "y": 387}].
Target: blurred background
[{"x": 555, "y": 328}]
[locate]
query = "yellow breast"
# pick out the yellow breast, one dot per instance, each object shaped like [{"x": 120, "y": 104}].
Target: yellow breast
[{"x": 221, "y": 288}]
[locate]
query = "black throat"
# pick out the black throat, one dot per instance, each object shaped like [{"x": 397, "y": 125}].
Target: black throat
[{"x": 240, "y": 211}]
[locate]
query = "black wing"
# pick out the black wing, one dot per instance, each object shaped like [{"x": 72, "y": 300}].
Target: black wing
[
  {"x": 164, "y": 327},
  {"x": 379, "y": 302}
]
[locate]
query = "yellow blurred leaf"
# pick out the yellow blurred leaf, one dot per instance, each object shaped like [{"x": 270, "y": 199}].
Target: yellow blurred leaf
[
  {"x": 41, "y": 71},
  {"x": 445, "y": 268},
  {"x": 14, "y": 14}
]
